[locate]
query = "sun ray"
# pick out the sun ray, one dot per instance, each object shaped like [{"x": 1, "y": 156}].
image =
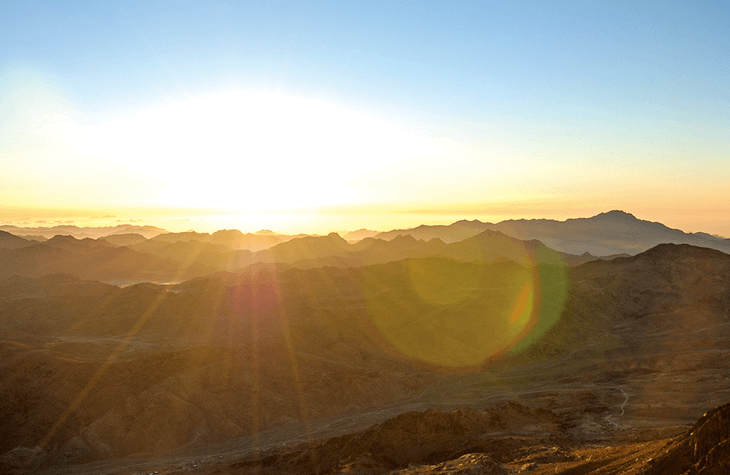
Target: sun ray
[{"x": 103, "y": 368}]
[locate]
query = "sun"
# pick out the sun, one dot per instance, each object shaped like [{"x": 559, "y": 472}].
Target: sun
[{"x": 254, "y": 150}]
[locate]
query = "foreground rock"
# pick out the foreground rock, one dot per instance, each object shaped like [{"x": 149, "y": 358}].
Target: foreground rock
[
  {"x": 704, "y": 449},
  {"x": 509, "y": 439},
  {"x": 433, "y": 441}
]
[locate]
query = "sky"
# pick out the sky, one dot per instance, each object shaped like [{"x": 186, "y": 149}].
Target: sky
[{"x": 320, "y": 116}]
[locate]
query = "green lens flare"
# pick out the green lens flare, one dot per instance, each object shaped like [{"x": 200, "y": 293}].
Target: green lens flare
[{"x": 458, "y": 315}]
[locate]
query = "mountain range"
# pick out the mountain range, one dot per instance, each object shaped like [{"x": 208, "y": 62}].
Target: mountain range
[
  {"x": 249, "y": 360},
  {"x": 484, "y": 354},
  {"x": 161, "y": 260},
  {"x": 614, "y": 232},
  {"x": 48, "y": 232},
  {"x": 610, "y": 233}
]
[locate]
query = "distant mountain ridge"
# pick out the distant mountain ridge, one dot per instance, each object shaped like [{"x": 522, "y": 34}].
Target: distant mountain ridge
[
  {"x": 175, "y": 256},
  {"x": 606, "y": 234},
  {"x": 94, "y": 259},
  {"x": 613, "y": 232},
  {"x": 125, "y": 257},
  {"x": 359, "y": 234},
  {"x": 83, "y": 232},
  {"x": 231, "y": 238}
]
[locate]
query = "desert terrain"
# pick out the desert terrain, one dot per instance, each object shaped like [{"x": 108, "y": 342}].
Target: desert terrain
[
  {"x": 232, "y": 353},
  {"x": 405, "y": 238}
]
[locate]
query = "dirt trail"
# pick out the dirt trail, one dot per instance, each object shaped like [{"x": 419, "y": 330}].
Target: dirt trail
[{"x": 621, "y": 407}]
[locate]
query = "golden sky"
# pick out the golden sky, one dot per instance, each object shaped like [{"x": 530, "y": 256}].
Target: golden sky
[{"x": 331, "y": 119}]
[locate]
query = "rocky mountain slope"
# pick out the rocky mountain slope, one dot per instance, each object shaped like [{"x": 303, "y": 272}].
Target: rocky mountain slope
[
  {"x": 236, "y": 368},
  {"x": 160, "y": 260}
]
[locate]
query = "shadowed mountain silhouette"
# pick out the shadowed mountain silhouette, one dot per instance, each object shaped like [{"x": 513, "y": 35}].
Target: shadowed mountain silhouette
[
  {"x": 230, "y": 238},
  {"x": 253, "y": 242},
  {"x": 359, "y": 234},
  {"x": 84, "y": 232},
  {"x": 309, "y": 247},
  {"x": 332, "y": 250},
  {"x": 10, "y": 241},
  {"x": 608, "y": 233},
  {"x": 182, "y": 236},
  {"x": 126, "y": 239},
  {"x": 93, "y": 259},
  {"x": 187, "y": 257},
  {"x": 70, "y": 243},
  {"x": 179, "y": 250}
]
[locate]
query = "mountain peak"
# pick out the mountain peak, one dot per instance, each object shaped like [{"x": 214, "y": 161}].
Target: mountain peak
[
  {"x": 227, "y": 232},
  {"x": 617, "y": 214},
  {"x": 474, "y": 223},
  {"x": 11, "y": 241},
  {"x": 676, "y": 252},
  {"x": 62, "y": 238},
  {"x": 403, "y": 238}
]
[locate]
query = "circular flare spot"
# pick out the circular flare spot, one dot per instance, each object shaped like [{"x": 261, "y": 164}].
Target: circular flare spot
[{"x": 454, "y": 314}]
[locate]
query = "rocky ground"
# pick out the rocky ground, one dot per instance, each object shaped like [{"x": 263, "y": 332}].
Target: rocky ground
[{"x": 626, "y": 380}]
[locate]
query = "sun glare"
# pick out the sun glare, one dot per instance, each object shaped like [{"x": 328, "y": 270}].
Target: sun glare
[{"x": 254, "y": 150}]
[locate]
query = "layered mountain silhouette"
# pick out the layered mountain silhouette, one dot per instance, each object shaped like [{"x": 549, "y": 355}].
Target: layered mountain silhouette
[
  {"x": 614, "y": 232},
  {"x": 279, "y": 366},
  {"x": 186, "y": 255},
  {"x": 161, "y": 260},
  {"x": 93, "y": 259},
  {"x": 359, "y": 234},
  {"x": 10, "y": 241},
  {"x": 232, "y": 239},
  {"x": 83, "y": 232},
  {"x": 482, "y": 354},
  {"x": 609, "y": 233},
  {"x": 125, "y": 239}
]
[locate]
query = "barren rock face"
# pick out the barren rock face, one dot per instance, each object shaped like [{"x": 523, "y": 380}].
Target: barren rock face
[
  {"x": 470, "y": 464},
  {"x": 704, "y": 449},
  {"x": 22, "y": 459},
  {"x": 430, "y": 441},
  {"x": 289, "y": 373},
  {"x": 421, "y": 437}
]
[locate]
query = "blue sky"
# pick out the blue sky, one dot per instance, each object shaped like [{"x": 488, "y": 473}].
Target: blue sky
[
  {"x": 426, "y": 55},
  {"x": 540, "y": 102}
]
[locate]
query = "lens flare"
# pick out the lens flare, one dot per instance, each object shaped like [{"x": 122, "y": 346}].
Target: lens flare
[
  {"x": 523, "y": 306},
  {"x": 451, "y": 315}
]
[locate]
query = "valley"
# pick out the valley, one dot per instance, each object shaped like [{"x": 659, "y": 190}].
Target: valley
[{"x": 425, "y": 364}]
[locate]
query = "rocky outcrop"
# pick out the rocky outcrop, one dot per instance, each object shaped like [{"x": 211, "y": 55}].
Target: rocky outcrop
[
  {"x": 462, "y": 441},
  {"x": 704, "y": 449}
]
